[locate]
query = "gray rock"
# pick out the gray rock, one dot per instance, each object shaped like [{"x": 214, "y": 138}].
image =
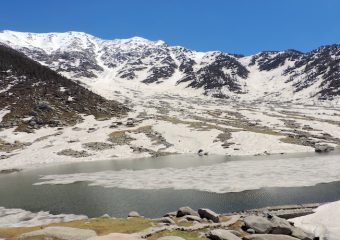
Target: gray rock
[
  {"x": 192, "y": 218},
  {"x": 183, "y": 211},
  {"x": 269, "y": 237},
  {"x": 170, "y": 214},
  {"x": 251, "y": 231},
  {"x": 221, "y": 234},
  {"x": 134, "y": 214},
  {"x": 183, "y": 220},
  {"x": 209, "y": 214},
  {"x": 281, "y": 226},
  {"x": 259, "y": 224},
  {"x": 167, "y": 220},
  {"x": 320, "y": 148}
]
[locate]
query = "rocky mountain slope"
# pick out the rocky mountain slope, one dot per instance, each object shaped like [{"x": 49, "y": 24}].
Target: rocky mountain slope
[
  {"x": 35, "y": 96},
  {"x": 137, "y": 63}
]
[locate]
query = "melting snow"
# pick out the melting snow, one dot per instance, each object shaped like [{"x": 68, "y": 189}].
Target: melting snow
[
  {"x": 231, "y": 176},
  {"x": 20, "y": 218}
]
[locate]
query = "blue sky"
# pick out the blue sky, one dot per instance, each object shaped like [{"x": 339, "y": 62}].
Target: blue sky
[{"x": 234, "y": 26}]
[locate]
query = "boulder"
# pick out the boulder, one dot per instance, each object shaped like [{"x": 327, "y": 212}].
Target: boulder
[
  {"x": 209, "y": 214},
  {"x": 269, "y": 237},
  {"x": 183, "y": 211},
  {"x": 222, "y": 234},
  {"x": 320, "y": 148},
  {"x": 134, "y": 214},
  {"x": 200, "y": 152},
  {"x": 259, "y": 224}
]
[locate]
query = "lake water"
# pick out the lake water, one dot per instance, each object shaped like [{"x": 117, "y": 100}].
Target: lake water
[{"x": 18, "y": 190}]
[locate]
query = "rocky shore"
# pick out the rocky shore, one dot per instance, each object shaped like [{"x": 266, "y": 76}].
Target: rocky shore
[{"x": 183, "y": 224}]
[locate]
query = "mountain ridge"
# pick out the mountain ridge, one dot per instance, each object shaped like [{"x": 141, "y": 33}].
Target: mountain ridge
[{"x": 288, "y": 75}]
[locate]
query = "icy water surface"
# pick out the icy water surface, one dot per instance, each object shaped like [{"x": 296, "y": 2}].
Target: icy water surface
[{"x": 154, "y": 186}]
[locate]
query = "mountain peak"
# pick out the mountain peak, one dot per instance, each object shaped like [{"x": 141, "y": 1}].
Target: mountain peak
[{"x": 271, "y": 75}]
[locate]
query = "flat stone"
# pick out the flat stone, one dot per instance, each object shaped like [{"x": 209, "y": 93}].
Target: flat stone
[
  {"x": 269, "y": 237},
  {"x": 259, "y": 224},
  {"x": 170, "y": 238},
  {"x": 222, "y": 234},
  {"x": 117, "y": 236},
  {"x": 167, "y": 220},
  {"x": 192, "y": 218},
  {"x": 65, "y": 233}
]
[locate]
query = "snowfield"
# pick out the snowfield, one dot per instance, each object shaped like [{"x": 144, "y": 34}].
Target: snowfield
[
  {"x": 166, "y": 124},
  {"x": 324, "y": 223}
]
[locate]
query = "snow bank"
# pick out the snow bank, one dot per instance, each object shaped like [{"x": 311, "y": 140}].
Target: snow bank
[
  {"x": 230, "y": 176},
  {"x": 20, "y": 218},
  {"x": 324, "y": 223}
]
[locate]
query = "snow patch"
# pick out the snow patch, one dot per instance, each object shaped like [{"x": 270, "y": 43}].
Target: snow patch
[{"x": 14, "y": 217}]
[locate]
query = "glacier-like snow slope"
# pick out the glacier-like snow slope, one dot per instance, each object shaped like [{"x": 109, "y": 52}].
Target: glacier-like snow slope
[{"x": 126, "y": 67}]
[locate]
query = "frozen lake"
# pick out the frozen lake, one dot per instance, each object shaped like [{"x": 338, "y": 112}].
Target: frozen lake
[{"x": 154, "y": 186}]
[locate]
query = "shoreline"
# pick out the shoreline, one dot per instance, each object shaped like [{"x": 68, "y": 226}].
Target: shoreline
[
  {"x": 43, "y": 165},
  {"x": 184, "y": 221}
]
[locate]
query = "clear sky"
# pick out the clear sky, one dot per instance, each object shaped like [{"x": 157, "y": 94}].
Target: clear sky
[{"x": 234, "y": 26}]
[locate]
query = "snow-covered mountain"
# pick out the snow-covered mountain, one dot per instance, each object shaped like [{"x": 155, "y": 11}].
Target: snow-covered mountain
[{"x": 137, "y": 63}]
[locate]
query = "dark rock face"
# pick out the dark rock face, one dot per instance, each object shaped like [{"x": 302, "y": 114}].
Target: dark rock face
[
  {"x": 213, "y": 76},
  {"x": 35, "y": 92},
  {"x": 322, "y": 63},
  {"x": 271, "y": 60}
]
